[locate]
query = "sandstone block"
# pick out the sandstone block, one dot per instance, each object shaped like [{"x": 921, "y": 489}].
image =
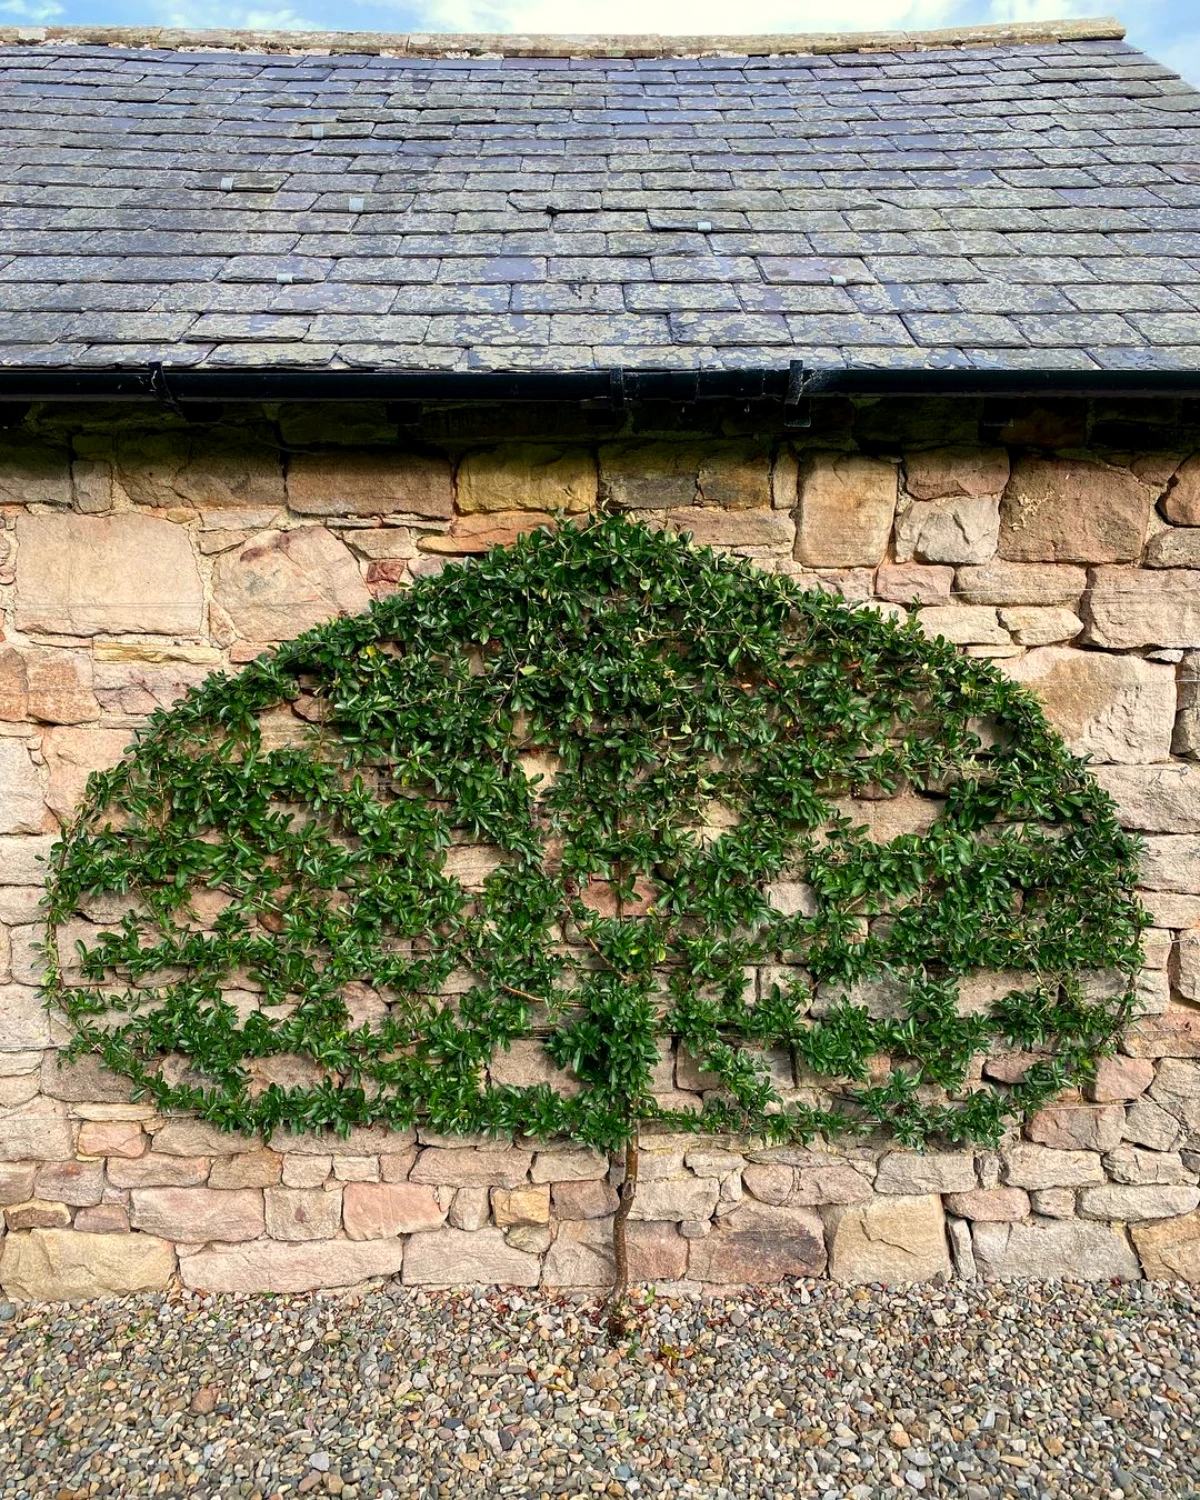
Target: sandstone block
[
  {"x": 302, "y": 1213},
  {"x": 525, "y": 1063},
  {"x": 1154, "y": 799},
  {"x": 527, "y": 1204},
  {"x": 888, "y": 1239},
  {"x": 937, "y": 473},
  {"x": 709, "y": 527},
  {"x": 112, "y": 1138},
  {"x": 78, "y": 1183},
  {"x": 37, "y": 1131},
  {"x": 283, "y": 582},
  {"x": 1031, "y": 1166},
  {"x": 1113, "y": 708},
  {"x": 1078, "y": 1127},
  {"x": 572, "y": 1165},
  {"x": 719, "y": 1164},
  {"x": 1073, "y": 510},
  {"x": 527, "y": 476},
  {"x": 760, "y": 1244},
  {"x": 1171, "y": 862},
  {"x": 158, "y": 1170},
  {"x": 535, "y": 1238},
  {"x": 736, "y": 476},
  {"x": 380, "y": 1210},
  {"x": 1039, "y": 625},
  {"x": 901, "y": 583},
  {"x": 52, "y": 687},
  {"x": 75, "y": 576},
  {"x": 1119, "y": 1079},
  {"x": 38, "y": 1213},
  {"x": 769, "y": 1183},
  {"x": 1174, "y": 1033},
  {"x": 1053, "y": 1203},
  {"x": 394, "y": 1166},
  {"x": 16, "y": 1182},
  {"x": 249, "y": 1169},
  {"x": 1174, "y": 548},
  {"x": 1139, "y": 1168},
  {"x": 584, "y": 1200},
  {"x": 22, "y": 809},
  {"x": 675, "y": 1198},
  {"x": 185, "y": 1137},
  {"x": 1169, "y": 1249},
  {"x": 449, "y": 1167},
  {"x": 59, "y": 1265},
  {"x": 657, "y": 1252},
  {"x": 102, "y": 1218},
  {"x": 648, "y": 475},
  {"x": 1149, "y": 1124},
  {"x": 359, "y": 1168},
  {"x": 33, "y": 472},
  {"x": 989, "y": 1205},
  {"x": 275, "y": 1266},
  {"x": 362, "y": 1140},
  {"x": 582, "y": 1256},
  {"x": 198, "y": 1214},
  {"x": 936, "y": 1172},
  {"x": 1128, "y": 608},
  {"x": 1176, "y": 1088},
  {"x": 201, "y": 469},
  {"x": 1052, "y": 1249},
  {"x": 305, "y": 1171},
  {"x": 23, "y": 859},
  {"x": 1187, "y": 966},
  {"x": 962, "y": 530},
  {"x": 1006, "y": 583},
  {"x": 847, "y": 503},
  {"x": 1181, "y": 503},
  {"x": 452, "y": 1257},
  {"x": 24, "y": 1019},
  {"x": 333, "y": 482},
  {"x": 470, "y": 1208},
  {"x": 1130, "y": 1203},
  {"x": 836, "y": 1183},
  {"x": 72, "y": 754},
  {"x": 476, "y": 533},
  {"x": 963, "y": 624}
]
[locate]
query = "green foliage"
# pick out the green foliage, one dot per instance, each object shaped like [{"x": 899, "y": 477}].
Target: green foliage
[{"x": 649, "y": 739}]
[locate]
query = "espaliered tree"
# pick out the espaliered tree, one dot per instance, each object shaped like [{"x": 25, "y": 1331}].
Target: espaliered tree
[{"x": 612, "y": 791}]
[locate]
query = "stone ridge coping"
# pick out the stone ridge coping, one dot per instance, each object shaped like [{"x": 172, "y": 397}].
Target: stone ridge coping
[{"x": 426, "y": 44}]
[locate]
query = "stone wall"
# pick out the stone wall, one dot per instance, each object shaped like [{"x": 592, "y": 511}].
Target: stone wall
[{"x": 141, "y": 550}]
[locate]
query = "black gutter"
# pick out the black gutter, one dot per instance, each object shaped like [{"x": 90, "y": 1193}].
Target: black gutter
[{"x": 611, "y": 387}]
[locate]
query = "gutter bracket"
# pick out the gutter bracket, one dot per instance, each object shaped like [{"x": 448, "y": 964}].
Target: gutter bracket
[
  {"x": 162, "y": 391},
  {"x": 797, "y": 408}
]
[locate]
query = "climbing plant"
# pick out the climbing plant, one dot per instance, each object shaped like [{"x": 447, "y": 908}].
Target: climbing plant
[{"x": 612, "y": 791}]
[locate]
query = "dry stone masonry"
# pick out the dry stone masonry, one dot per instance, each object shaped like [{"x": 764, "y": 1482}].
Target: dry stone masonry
[{"x": 140, "y": 553}]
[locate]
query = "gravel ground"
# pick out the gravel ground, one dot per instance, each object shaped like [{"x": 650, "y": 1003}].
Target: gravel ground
[{"x": 813, "y": 1390}]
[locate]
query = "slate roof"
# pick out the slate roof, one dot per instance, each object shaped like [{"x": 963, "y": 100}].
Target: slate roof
[{"x": 996, "y": 204}]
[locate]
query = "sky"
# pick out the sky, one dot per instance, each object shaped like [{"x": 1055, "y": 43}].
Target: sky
[{"x": 1168, "y": 29}]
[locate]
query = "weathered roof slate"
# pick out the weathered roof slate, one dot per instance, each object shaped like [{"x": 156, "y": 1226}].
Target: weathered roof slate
[{"x": 1029, "y": 204}]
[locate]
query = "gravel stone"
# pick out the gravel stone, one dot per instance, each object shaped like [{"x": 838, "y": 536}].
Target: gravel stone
[{"x": 808, "y": 1391}]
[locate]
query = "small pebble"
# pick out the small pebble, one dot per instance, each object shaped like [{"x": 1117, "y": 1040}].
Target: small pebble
[{"x": 807, "y": 1391}]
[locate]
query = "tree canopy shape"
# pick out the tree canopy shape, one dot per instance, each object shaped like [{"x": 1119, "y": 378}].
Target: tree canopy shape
[{"x": 613, "y": 792}]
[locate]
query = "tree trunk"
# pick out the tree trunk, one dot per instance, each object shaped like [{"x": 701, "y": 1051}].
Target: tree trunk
[{"x": 614, "y": 1304}]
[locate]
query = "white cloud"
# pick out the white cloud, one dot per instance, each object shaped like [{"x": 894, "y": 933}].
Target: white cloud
[
  {"x": 1182, "y": 54},
  {"x": 687, "y": 17},
  {"x": 41, "y": 10},
  {"x": 193, "y": 16},
  {"x": 1005, "y": 11}
]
